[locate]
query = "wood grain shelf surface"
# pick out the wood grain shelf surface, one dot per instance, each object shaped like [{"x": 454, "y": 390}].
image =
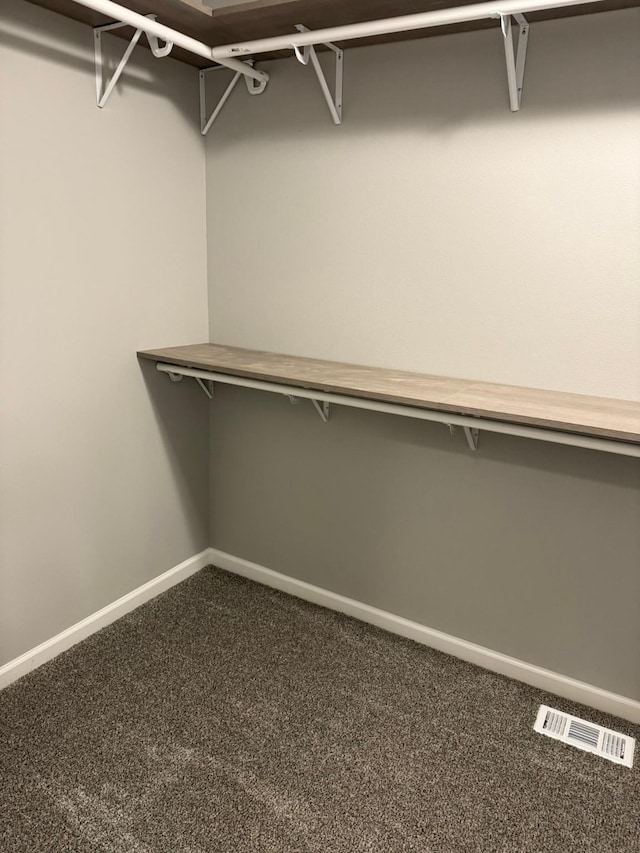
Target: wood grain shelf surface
[
  {"x": 599, "y": 417},
  {"x": 265, "y": 18}
]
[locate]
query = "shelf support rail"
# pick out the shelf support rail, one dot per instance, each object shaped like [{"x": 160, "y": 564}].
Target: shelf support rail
[
  {"x": 308, "y": 52},
  {"x": 254, "y": 87},
  {"x": 473, "y": 424},
  {"x": 516, "y": 57}
]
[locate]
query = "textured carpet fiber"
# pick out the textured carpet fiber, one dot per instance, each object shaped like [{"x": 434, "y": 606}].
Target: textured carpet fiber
[{"x": 224, "y": 716}]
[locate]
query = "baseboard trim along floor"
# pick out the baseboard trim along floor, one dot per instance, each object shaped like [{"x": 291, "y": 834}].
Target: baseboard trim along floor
[
  {"x": 81, "y": 630},
  {"x": 543, "y": 679}
]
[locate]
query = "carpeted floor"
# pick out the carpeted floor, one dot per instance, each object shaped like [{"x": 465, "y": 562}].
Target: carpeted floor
[{"x": 227, "y": 717}]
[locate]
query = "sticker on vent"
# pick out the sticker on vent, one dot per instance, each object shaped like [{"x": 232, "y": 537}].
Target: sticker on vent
[{"x": 584, "y": 735}]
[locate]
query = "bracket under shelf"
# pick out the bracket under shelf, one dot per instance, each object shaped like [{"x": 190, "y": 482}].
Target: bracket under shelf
[
  {"x": 304, "y": 54},
  {"x": 321, "y": 406},
  {"x": 103, "y": 92},
  {"x": 470, "y": 433},
  {"x": 207, "y": 386},
  {"x": 473, "y": 436},
  {"x": 516, "y": 56},
  {"x": 254, "y": 87}
]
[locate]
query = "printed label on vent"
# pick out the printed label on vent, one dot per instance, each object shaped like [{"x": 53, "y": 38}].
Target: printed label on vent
[{"x": 585, "y": 735}]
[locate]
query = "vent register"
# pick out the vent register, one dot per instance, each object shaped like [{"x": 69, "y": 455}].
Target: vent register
[{"x": 584, "y": 735}]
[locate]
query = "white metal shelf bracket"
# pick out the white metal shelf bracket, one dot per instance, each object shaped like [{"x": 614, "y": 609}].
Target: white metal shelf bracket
[
  {"x": 254, "y": 87},
  {"x": 323, "y": 409},
  {"x": 516, "y": 57},
  {"x": 472, "y": 435},
  {"x": 103, "y": 92},
  {"x": 321, "y": 406},
  {"x": 207, "y": 388},
  {"x": 306, "y": 53}
]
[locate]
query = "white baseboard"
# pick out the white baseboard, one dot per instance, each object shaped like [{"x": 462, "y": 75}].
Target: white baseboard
[
  {"x": 544, "y": 679},
  {"x": 81, "y": 630}
]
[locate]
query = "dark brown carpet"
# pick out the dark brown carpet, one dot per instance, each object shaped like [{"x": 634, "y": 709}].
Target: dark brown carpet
[{"x": 224, "y": 716}]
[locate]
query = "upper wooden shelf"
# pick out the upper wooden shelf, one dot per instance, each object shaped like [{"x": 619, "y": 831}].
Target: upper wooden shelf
[
  {"x": 598, "y": 417},
  {"x": 265, "y": 18}
]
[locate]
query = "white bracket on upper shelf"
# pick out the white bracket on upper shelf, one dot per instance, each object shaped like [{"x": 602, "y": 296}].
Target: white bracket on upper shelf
[
  {"x": 516, "y": 57},
  {"x": 254, "y": 87},
  {"x": 306, "y": 53},
  {"x": 102, "y": 92}
]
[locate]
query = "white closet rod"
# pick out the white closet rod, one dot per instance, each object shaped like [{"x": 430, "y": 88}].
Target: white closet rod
[
  {"x": 224, "y": 54},
  {"x": 403, "y": 23},
  {"x": 149, "y": 26},
  {"x": 554, "y": 436}
]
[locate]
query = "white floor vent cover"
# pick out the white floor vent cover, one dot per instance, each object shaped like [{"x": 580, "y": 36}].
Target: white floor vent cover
[{"x": 587, "y": 736}]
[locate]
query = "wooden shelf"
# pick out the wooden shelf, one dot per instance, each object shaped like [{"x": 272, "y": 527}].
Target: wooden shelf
[
  {"x": 597, "y": 417},
  {"x": 265, "y": 18}
]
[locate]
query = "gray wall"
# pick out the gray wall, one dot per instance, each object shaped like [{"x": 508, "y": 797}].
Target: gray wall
[
  {"x": 103, "y": 479},
  {"x": 435, "y": 231},
  {"x": 526, "y": 548}
]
